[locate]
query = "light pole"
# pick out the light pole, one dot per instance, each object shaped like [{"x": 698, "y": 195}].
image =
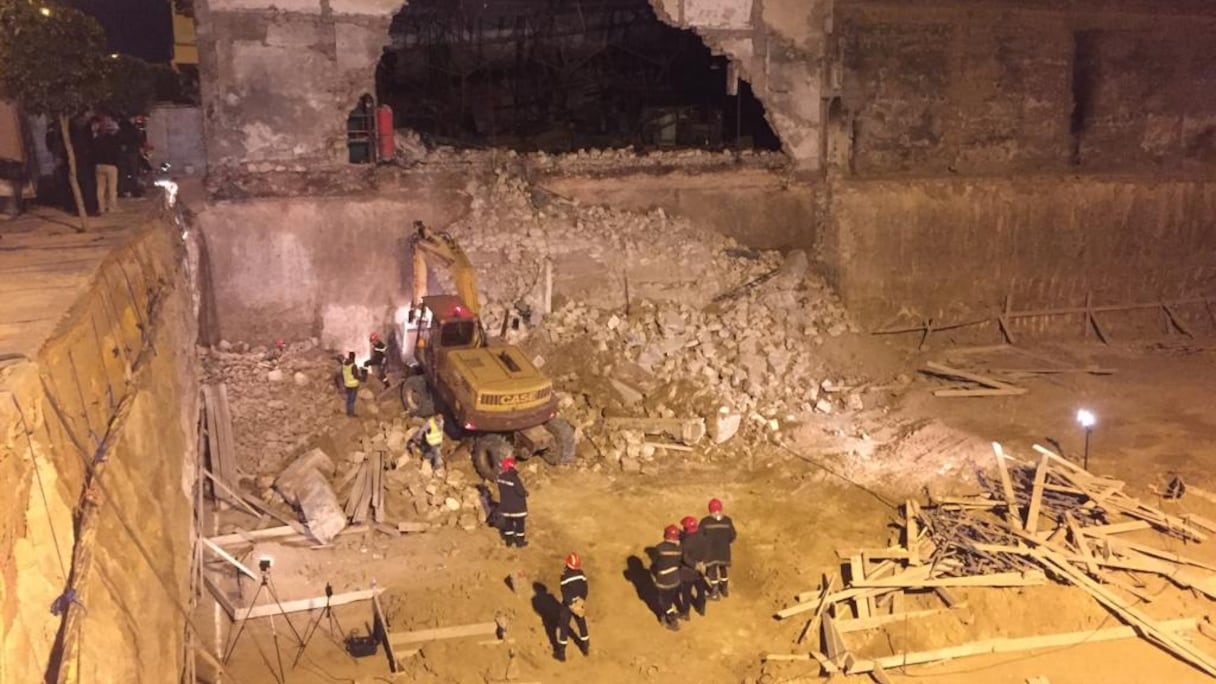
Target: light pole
[{"x": 1087, "y": 420}]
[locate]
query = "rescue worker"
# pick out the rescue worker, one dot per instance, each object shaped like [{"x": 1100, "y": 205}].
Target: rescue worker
[
  {"x": 692, "y": 568},
  {"x": 379, "y": 358},
  {"x": 574, "y": 605},
  {"x": 666, "y": 571},
  {"x": 512, "y": 504},
  {"x": 430, "y": 440},
  {"x": 719, "y": 532},
  {"x": 351, "y": 377}
]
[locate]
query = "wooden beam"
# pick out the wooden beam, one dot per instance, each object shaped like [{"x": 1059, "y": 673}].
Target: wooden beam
[
  {"x": 1116, "y": 528},
  {"x": 833, "y": 642},
  {"x": 220, "y": 597},
  {"x": 302, "y": 605},
  {"x": 861, "y": 604},
  {"x": 381, "y": 630},
  {"x": 1003, "y": 392},
  {"x": 949, "y": 371},
  {"x": 911, "y": 532},
  {"x": 228, "y": 557},
  {"x": 1036, "y": 496},
  {"x": 284, "y": 534},
  {"x": 1079, "y": 540},
  {"x": 1013, "y": 645},
  {"x": 811, "y": 625},
  {"x": 997, "y": 579},
  {"x": 398, "y": 639},
  {"x": 1011, "y": 500}
]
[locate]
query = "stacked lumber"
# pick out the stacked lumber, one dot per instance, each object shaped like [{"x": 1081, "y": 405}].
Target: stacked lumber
[
  {"x": 367, "y": 494},
  {"x": 979, "y": 385},
  {"x": 221, "y": 445},
  {"x": 1033, "y": 520}
]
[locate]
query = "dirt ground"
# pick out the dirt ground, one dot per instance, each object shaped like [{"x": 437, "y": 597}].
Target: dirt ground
[{"x": 1155, "y": 419}]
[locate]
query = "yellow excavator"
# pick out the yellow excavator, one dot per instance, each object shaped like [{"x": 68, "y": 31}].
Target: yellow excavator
[{"x": 490, "y": 389}]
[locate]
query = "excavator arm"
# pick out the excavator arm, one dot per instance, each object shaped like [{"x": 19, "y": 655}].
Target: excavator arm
[{"x": 443, "y": 248}]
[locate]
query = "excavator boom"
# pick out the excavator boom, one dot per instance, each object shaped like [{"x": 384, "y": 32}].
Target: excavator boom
[{"x": 444, "y": 248}]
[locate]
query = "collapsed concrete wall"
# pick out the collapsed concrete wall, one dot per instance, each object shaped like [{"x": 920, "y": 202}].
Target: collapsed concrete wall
[
  {"x": 944, "y": 247},
  {"x": 131, "y": 337}
]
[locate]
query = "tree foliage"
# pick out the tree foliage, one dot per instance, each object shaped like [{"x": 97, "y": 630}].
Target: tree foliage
[
  {"x": 132, "y": 84},
  {"x": 52, "y": 59}
]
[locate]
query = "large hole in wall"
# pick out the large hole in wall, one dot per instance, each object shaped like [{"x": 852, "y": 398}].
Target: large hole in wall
[{"x": 559, "y": 76}]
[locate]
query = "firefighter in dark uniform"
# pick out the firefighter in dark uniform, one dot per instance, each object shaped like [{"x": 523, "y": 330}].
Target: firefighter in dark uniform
[
  {"x": 666, "y": 571},
  {"x": 378, "y": 361},
  {"x": 719, "y": 533},
  {"x": 574, "y": 606},
  {"x": 692, "y": 568},
  {"x": 512, "y": 504}
]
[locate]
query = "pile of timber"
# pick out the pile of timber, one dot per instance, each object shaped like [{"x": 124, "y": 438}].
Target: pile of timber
[
  {"x": 221, "y": 446},
  {"x": 367, "y": 495},
  {"x": 1034, "y": 520},
  {"x": 979, "y": 385}
]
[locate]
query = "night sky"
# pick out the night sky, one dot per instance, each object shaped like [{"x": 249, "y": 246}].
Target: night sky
[{"x": 143, "y": 28}]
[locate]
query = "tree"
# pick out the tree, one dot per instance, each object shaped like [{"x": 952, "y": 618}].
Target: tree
[
  {"x": 132, "y": 84},
  {"x": 53, "y": 62}
]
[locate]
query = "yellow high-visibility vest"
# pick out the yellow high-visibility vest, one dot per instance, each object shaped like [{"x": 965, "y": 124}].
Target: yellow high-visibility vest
[
  {"x": 434, "y": 436},
  {"x": 348, "y": 376}
]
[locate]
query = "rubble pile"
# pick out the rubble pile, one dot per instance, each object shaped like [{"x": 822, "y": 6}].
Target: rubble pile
[{"x": 278, "y": 398}]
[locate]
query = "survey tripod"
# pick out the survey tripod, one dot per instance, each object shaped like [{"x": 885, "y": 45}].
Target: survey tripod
[{"x": 264, "y": 566}]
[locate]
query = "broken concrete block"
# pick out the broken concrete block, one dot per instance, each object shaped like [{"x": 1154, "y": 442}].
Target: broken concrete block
[
  {"x": 304, "y": 486},
  {"x": 225, "y": 346},
  {"x": 300, "y": 379},
  {"x": 628, "y": 395},
  {"x": 631, "y": 465},
  {"x": 823, "y": 406},
  {"x": 275, "y": 375},
  {"x": 357, "y": 457},
  {"x": 724, "y": 425},
  {"x": 854, "y": 402},
  {"x": 614, "y": 322},
  {"x": 451, "y": 503}
]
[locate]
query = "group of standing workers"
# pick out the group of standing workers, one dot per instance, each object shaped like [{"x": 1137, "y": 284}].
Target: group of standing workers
[{"x": 692, "y": 565}]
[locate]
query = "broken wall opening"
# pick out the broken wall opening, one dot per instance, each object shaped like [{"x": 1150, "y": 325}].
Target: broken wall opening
[{"x": 558, "y": 77}]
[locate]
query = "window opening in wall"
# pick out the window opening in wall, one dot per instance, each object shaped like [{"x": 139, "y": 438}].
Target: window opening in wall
[
  {"x": 556, "y": 75},
  {"x": 361, "y": 131}
]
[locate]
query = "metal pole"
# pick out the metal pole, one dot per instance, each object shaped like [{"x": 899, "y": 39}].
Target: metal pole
[{"x": 1085, "y": 464}]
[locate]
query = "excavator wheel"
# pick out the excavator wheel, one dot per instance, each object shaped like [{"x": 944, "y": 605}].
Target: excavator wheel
[
  {"x": 416, "y": 397},
  {"x": 488, "y": 451},
  {"x": 562, "y": 451}
]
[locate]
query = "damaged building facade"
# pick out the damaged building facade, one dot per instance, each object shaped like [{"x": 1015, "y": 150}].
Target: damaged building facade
[{"x": 926, "y": 145}]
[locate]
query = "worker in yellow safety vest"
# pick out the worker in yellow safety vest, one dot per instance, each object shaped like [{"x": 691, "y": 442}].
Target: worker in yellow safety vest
[
  {"x": 352, "y": 375},
  {"x": 430, "y": 438}
]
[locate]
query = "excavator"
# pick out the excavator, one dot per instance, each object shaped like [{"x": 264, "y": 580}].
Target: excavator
[{"x": 491, "y": 389}]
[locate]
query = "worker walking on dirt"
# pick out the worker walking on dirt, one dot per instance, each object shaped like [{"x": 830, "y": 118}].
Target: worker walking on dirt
[
  {"x": 512, "y": 504},
  {"x": 666, "y": 571},
  {"x": 378, "y": 361},
  {"x": 693, "y": 555},
  {"x": 574, "y": 606},
  {"x": 429, "y": 439},
  {"x": 719, "y": 532},
  {"x": 352, "y": 375}
]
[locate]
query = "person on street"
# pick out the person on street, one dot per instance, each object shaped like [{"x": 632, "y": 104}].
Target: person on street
[
  {"x": 719, "y": 532},
  {"x": 378, "y": 361},
  {"x": 351, "y": 378},
  {"x": 692, "y": 568},
  {"x": 512, "y": 504},
  {"x": 107, "y": 155},
  {"x": 666, "y": 571},
  {"x": 574, "y": 606}
]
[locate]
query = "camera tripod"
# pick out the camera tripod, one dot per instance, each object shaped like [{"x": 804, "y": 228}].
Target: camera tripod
[
  {"x": 334, "y": 628},
  {"x": 264, "y": 566}
]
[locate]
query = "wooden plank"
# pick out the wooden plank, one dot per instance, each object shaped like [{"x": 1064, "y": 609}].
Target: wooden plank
[
  {"x": 986, "y": 381},
  {"x": 1036, "y": 496},
  {"x": 408, "y": 527},
  {"x": 228, "y": 557},
  {"x": 220, "y": 597},
  {"x": 1013, "y": 645},
  {"x": 380, "y": 629},
  {"x": 874, "y": 553},
  {"x": 997, "y": 579},
  {"x": 1082, "y": 545},
  {"x": 861, "y": 604},
  {"x": 1011, "y": 500},
  {"x": 1153, "y": 551},
  {"x": 1116, "y": 528},
  {"x": 811, "y": 625},
  {"x": 879, "y": 675},
  {"x": 398, "y": 639},
  {"x": 874, "y": 622},
  {"x": 1145, "y": 625},
  {"x": 234, "y": 496},
  {"x": 833, "y": 643},
  {"x": 947, "y": 597},
  {"x": 303, "y": 605},
  {"x": 356, "y": 492},
  {"x": 911, "y": 534},
  {"x": 956, "y": 392}
]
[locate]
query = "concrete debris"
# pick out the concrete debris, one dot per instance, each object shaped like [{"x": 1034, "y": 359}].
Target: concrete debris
[
  {"x": 305, "y": 484},
  {"x": 628, "y": 395},
  {"x": 724, "y": 425},
  {"x": 275, "y": 375},
  {"x": 823, "y": 406},
  {"x": 300, "y": 379}
]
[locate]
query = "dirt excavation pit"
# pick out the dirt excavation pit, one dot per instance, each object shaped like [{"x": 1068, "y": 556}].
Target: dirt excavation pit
[{"x": 812, "y": 432}]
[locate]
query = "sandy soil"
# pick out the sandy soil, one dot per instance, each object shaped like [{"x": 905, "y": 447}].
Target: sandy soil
[{"x": 1155, "y": 419}]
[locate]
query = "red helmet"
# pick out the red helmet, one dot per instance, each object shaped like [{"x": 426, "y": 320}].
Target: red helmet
[
  {"x": 508, "y": 463},
  {"x": 671, "y": 533},
  {"x": 574, "y": 562},
  {"x": 374, "y": 337},
  {"x": 280, "y": 344},
  {"x": 715, "y": 506},
  {"x": 689, "y": 524}
]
